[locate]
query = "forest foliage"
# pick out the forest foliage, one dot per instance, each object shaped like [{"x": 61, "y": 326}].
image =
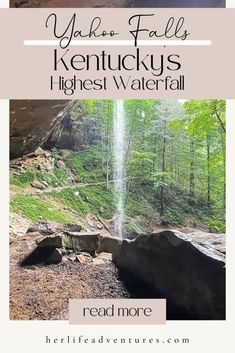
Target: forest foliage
[
  {"x": 174, "y": 160},
  {"x": 175, "y": 150}
]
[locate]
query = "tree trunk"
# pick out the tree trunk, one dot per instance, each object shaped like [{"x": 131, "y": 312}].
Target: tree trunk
[
  {"x": 192, "y": 169},
  {"x": 128, "y": 186},
  {"x": 208, "y": 172},
  {"x": 220, "y": 121},
  {"x": 224, "y": 164},
  {"x": 154, "y": 160},
  {"x": 102, "y": 150},
  {"x": 162, "y": 206},
  {"x": 108, "y": 147},
  {"x": 107, "y": 167}
]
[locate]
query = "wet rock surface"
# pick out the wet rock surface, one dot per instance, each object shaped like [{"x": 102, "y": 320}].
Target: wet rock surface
[
  {"x": 117, "y": 3},
  {"x": 190, "y": 274},
  {"x": 178, "y": 3}
]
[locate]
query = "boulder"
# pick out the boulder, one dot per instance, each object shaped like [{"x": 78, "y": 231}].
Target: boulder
[
  {"x": 88, "y": 242},
  {"x": 83, "y": 258},
  {"x": 39, "y": 152},
  {"x": 71, "y": 258},
  {"x": 109, "y": 244},
  {"x": 187, "y": 273},
  {"x": 52, "y": 241},
  {"x": 48, "y": 227},
  {"x": 60, "y": 164},
  {"x": 65, "y": 153},
  {"x": 44, "y": 227},
  {"x": 72, "y": 227},
  {"x": 56, "y": 236},
  {"x": 18, "y": 225},
  {"x": 54, "y": 258},
  {"x": 11, "y": 239},
  {"x": 102, "y": 259},
  {"x": 91, "y": 242},
  {"x": 37, "y": 185}
]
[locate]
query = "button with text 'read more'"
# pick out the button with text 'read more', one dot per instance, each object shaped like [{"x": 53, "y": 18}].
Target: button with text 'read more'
[{"x": 117, "y": 311}]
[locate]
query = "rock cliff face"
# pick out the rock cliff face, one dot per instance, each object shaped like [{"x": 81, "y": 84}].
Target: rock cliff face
[
  {"x": 117, "y": 3},
  {"x": 49, "y": 123},
  {"x": 178, "y": 3},
  {"x": 69, "y": 3},
  {"x": 190, "y": 274},
  {"x": 73, "y": 131},
  {"x": 31, "y": 122}
]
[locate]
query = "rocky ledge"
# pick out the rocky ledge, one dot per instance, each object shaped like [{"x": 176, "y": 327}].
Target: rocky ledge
[
  {"x": 188, "y": 270},
  {"x": 55, "y": 242},
  {"x": 31, "y": 123}
]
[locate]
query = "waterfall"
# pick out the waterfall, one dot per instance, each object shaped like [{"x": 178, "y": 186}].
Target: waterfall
[{"x": 119, "y": 166}]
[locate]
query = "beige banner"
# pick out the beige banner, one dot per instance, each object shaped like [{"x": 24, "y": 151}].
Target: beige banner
[
  {"x": 187, "y": 69},
  {"x": 117, "y": 311}
]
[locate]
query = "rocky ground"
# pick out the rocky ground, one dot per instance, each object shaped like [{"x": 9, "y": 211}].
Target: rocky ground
[{"x": 40, "y": 292}]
